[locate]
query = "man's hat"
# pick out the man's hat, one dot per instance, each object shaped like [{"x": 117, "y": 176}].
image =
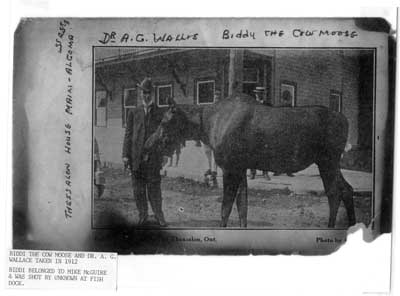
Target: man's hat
[
  {"x": 259, "y": 89},
  {"x": 146, "y": 85}
]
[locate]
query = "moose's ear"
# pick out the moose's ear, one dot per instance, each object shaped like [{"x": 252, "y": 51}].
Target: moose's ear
[{"x": 171, "y": 102}]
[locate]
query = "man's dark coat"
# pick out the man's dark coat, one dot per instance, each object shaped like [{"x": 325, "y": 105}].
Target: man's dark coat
[{"x": 139, "y": 127}]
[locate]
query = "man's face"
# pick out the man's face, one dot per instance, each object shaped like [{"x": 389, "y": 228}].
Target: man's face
[{"x": 146, "y": 97}]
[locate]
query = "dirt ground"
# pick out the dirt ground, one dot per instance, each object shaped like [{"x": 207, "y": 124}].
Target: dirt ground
[{"x": 191, "y": 204}]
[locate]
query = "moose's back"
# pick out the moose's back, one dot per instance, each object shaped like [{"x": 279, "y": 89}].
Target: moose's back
[{"x": 243, "y": 132}]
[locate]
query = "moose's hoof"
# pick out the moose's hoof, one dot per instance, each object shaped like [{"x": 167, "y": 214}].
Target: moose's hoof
[
  {"x": 243, "y": 224},
  {"x": 352, "y": 222}
]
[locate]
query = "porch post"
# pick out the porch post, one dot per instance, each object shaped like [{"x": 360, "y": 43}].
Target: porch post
[{"x": 235, "y": 72}]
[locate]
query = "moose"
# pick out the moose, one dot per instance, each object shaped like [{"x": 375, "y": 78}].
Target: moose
[{"x": 245, "y": 134}]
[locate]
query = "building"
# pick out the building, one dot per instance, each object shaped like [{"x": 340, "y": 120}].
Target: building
[{"x": 341, "y": 79}]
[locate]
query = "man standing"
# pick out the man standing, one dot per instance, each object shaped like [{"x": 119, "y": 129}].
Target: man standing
[{"x": 145, "y": 166}]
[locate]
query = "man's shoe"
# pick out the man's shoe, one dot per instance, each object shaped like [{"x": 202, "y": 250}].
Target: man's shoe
[
  {"x": 161, "y": 222},
  {"x": 143, "y": 221}
]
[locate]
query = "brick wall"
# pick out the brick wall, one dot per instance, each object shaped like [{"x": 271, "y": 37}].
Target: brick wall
[
  {"x": 188, "y": 68},
  {"x": 316, "y": 73}
]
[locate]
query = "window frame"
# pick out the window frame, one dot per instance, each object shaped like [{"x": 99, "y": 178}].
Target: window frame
[
  {"x": 292, "y": 88},
  {"x": 157, "y": 92},
  {"x": 201, "y": 81},
  {"x": 125, "y": 108},
  {"x": 334, "y": 92},
  {"x": 105, "y": 108}
]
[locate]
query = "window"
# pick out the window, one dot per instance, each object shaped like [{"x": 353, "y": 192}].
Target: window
[
  {"x": 250, "y": 80},
  {"x": 101, "y": 108},
  {"x": 335, "y": 101},
  {"x": 205, "y": 91},
  {"x": 162, "y": 93},
  {"x": 288, "y": 94},
  {"x": 130, "y": 101}
]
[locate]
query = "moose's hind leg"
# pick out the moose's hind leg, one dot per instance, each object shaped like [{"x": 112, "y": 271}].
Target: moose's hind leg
[
  {"x": 334, "y": 201},
  {"x": 231, "y": 183},
  {"x": 347, "y": 198},
  {"x": 330, "y": 179}
]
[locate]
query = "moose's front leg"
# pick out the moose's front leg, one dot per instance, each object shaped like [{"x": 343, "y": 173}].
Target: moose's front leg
[{"x": 231, "y": 182}]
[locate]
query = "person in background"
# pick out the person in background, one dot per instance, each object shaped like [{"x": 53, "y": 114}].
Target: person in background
[
  {"x": 96, "y": 156},
  {"x": 211, "y": 173},
  {"x": 212, "y": 165},
  {"x": 99, "y": 179},
  {"x": 286, "y": 102},
  {"x": 145, "y": 166},
  {"x": 259, "y": 93}
]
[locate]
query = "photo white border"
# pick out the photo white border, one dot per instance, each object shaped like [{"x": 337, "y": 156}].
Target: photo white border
[{"x": 195, "y": 275}]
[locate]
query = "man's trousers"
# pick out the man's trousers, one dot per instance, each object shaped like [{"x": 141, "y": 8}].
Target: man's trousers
[{"x": 146, "y": 183}]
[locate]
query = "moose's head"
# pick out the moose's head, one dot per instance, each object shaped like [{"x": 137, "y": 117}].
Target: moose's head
[{"x": 171, "y": 131}]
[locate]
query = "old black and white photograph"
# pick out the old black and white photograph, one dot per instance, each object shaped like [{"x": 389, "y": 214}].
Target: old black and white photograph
[
  {"x": 264, "y": 137},
  {"x": 233, "y": 137},
  {"x": 228, "y": 138}
]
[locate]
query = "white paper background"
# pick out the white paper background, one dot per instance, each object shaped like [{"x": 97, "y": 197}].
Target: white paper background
[{"x": 357, "y": 268}]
